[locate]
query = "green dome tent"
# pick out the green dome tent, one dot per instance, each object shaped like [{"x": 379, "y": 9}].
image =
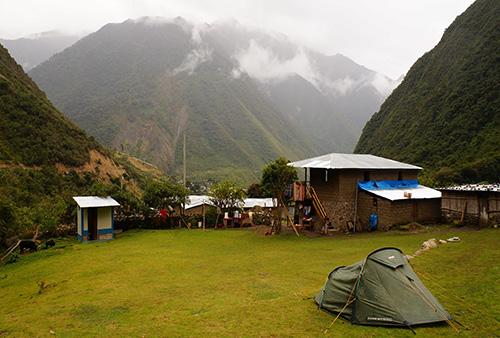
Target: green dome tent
[{"x": 381, "y": 290}]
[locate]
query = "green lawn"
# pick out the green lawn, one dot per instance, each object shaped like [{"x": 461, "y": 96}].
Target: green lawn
[{"x": 232, "y": 283}]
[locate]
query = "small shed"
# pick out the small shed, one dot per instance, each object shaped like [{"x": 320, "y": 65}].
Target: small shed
[
  {"x": 197, "y": 205},
  {"x": 94, "y": 217},
  {"x": 475, "y": 204}
]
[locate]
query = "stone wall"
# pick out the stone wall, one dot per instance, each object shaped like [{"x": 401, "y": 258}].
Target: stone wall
[
  {"x": 337, "y": 191},
  {"x": 397, "y": 212}
]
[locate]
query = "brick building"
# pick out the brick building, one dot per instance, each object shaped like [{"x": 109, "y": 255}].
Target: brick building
[{"x": 350, "y": 187}]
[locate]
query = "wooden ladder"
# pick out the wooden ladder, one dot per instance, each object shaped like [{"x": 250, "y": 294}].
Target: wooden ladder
[{"x": 318, "y": 206}]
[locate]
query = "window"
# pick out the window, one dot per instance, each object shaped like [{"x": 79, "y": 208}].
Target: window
[
  {"x": 366, "y": 176},
  {"x": 326, "y": 175},
  {"x": 400, "y": 175}
]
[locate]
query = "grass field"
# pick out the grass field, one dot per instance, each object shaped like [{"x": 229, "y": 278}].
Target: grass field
[{"x": 231, "y": 283}]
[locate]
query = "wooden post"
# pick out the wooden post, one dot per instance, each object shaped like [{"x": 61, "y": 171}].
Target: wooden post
[
  {"x": 355, "y": 207},
  {"x": 11, "y": 249},
  {"x": 203, "y": 208},
  {"x": 462, "y": 218}
]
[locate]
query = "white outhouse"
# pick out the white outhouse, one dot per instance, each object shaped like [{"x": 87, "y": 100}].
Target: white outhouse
[{"x": 94, "y": 220}]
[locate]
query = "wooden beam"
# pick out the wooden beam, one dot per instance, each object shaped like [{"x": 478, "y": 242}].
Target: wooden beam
[
  {"x": 10, "y": 250},
  {"x": 463, "y": 212}
]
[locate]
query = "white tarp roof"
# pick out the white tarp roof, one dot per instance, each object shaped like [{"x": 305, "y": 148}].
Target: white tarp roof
[
  {"x": 351, "y": 161},
  {"x": 261, "y": 202},
  {"x": 95, "y": 202},
  {"x": 421, "y": 192},
  {"x": 198, "y": 200}
]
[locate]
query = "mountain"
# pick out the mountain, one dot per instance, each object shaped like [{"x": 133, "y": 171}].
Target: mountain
[
  {"x": 33, "y": 132},
  {"x": 331, "y": 97},
  {"x": 445, "y": 115},
  {"x": 45, "y": 159},
  {"x": 310, "y": 109},
  {"x": 140, "y": 85},
  {"x": 32, "y": 50}
]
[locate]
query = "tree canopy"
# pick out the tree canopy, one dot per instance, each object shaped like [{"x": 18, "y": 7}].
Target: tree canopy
[
  {"x": 276, "y": 177},
  {"x": 160, "y": 194},
  {"x": 226, "y": 195}
]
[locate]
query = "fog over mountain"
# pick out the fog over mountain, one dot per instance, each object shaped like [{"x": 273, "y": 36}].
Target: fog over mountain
[
  {"x": 387, "y": 36},
  {"x": 32, "y": 50},
  {"x": 242, "y": 95}
]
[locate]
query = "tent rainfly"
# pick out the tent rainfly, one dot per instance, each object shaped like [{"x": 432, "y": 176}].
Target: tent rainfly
[
  {"x": 381, "y": 290},
  {"x": 94, "y": 217}
]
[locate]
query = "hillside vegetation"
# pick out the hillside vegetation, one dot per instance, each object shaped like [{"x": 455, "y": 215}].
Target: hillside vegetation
[
  {"x": 33, "y": 132},
  {"x": 45, "y": 160},
  {"x": 445, "y": 115},
  {"x": 140, "y": 85}
]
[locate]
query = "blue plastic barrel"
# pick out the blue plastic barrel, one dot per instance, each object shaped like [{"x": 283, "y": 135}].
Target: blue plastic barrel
[{"x": 373, "y": 222}]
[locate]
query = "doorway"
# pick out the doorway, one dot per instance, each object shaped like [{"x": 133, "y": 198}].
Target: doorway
[{"x": 92, "y": 224}]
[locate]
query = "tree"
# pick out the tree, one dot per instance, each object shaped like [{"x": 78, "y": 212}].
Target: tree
[
  {"x": 276, "y": 177},
  {"x": 7, "y": 221},
  {"x": 226, "y": 196},
  {"x": 41, "y": 218},
  {"x": 130, "y": 205},
  {"x": 160, "y": 194},
  {"x": 254, "y": 190}
]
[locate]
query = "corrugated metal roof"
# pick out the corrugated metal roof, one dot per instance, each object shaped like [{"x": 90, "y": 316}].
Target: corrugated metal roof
[
  {"x": 95, "y": 202},
  {"x": 421, "y": 192},
  {"x": 495, "y": 187},
  {"x": 351, "y": 161}
]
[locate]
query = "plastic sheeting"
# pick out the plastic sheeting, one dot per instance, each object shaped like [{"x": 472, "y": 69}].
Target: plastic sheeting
[
  {"x": 384, "y": 185},
  {"x": 399, "y": 190}
]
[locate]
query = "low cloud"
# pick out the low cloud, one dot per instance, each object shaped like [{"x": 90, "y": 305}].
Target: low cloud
[
  {"x": 160, "y": 21},
  {"x": 340, "y": 86},
  {"x": 383, "y": 84},
  {"x": 193, "y": 60},
  {"x": 201, "y": 54},
  {"x": 262, "y": 64}
]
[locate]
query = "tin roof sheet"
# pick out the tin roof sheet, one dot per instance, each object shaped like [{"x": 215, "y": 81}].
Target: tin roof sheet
[
  {"x": 95, "y": 202},
  {"x": 475, "y": 187},
  {"x": 352, "y": 161}
]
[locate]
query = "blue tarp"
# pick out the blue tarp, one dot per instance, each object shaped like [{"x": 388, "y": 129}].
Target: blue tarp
[{"x": 385, "y": 185}]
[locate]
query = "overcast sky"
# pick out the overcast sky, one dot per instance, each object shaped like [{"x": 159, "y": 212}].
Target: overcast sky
[{"x": 385, "y": 35}]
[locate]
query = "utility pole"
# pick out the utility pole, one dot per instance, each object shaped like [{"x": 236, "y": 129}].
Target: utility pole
[{"x": 184, "y": 160}]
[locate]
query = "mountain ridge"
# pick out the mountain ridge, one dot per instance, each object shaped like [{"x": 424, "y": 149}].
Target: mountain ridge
[
  {"x": 137, "y": 86},
  {"x": 445, "y": 114},
  {"x": 32, "y": 50}
]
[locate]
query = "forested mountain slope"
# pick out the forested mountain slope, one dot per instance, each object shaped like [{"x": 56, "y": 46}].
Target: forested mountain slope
[
  {"x": 140, "y": 85},
  {"x": 45, "y": 159},
  {"x": 445, "y": 115}
]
